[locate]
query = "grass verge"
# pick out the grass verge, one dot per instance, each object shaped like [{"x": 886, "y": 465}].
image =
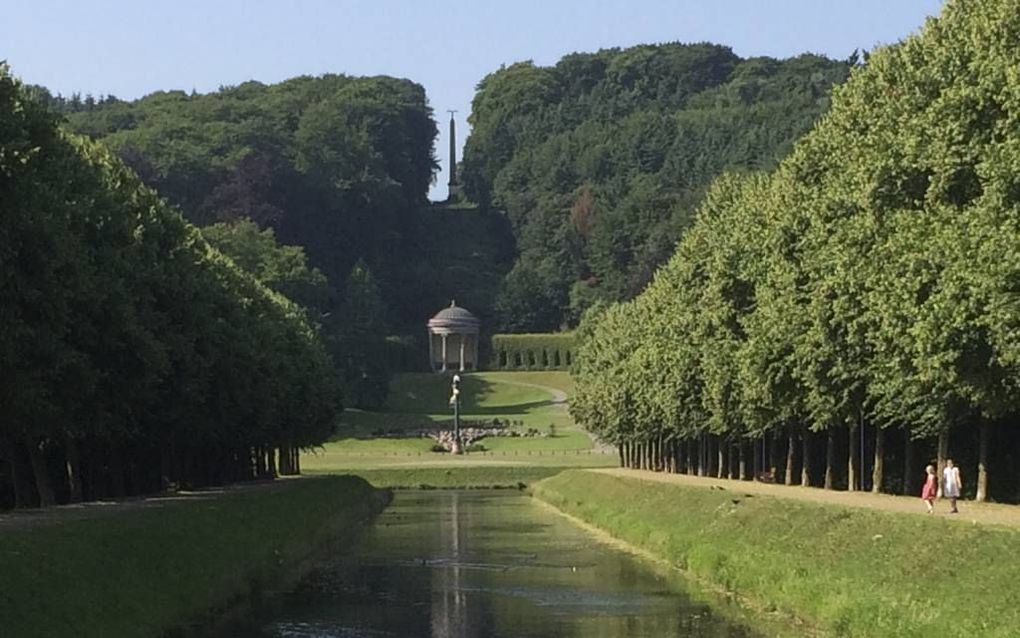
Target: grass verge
[
  {"x": 468, "y": 477},
  {"x": 848, "y": 571},
  {"x": 146, "y": 572}
]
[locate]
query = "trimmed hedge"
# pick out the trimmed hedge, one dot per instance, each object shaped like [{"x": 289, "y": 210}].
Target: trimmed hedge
[{"x": 549, "y": 351}]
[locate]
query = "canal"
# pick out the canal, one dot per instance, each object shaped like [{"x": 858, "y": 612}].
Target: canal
[{"x": 483, "y": 563}]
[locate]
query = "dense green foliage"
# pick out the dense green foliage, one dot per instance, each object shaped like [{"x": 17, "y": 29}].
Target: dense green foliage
[
  {"x": 160, "y": 567},
  {"x": 135, "y": 356},
  {"x": 848, "y": 571},
  {"x": 337, "y": 165},
  {"x": 600, "y": 160},
  {"x": 868, "y": 284},
  {"x": 532, "y": 351},
  {"x": 284, "y": 269}
]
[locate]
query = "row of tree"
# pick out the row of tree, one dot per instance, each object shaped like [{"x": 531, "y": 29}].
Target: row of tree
[
  {"x": 600, "y": 160},
  {"x": 864, "y": 296},
  {"x": 338, "y": 166},
  {"x": 135, "y": 357}
]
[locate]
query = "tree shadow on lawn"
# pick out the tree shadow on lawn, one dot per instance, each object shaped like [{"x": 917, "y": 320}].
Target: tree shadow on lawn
[
  {"x": 430, "y": 394},
  {"x": 423, "y": 406}
]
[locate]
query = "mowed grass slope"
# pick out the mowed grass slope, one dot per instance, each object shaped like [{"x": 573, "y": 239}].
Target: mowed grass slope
[
  {"x": 143, "y": 571},
  {"x": 529, "y": 400},
  {"x": 849, "y": 571}
]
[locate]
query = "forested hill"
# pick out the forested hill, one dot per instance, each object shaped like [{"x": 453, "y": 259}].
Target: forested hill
[
  {"x": 600, "y": 160},
  {"x": 338, "y": 165}
]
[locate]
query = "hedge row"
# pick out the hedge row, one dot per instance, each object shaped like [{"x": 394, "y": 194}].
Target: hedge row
[{"x": 553, "y": 351}]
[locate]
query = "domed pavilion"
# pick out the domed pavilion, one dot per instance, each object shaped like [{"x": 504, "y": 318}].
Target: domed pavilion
[{"x": 453, "y": 340}]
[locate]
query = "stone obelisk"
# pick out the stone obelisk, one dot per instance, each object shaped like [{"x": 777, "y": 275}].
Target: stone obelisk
[{"x": 453, "y": 183}]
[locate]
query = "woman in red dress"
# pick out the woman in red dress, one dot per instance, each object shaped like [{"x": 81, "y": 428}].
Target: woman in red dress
[{"x": 929, "y": 489}]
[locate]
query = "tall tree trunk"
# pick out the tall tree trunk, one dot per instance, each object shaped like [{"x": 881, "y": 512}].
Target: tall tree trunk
[
  {"x": 689, "y": 448},
  {"x": 805, "y": 459},
  {"x": 791, "y": 451},
  {"x": 742, "y": 461},
  {"x": 260, "y": 461},
  {"x": 729, "y": 460},
  {"x": 720, "y": 457},
  {"x": 118, "y": 487},
  {"x": 285, "y": 460},
  {"x": 166, "y": 464},
  {"x": 297, "y": 460},
  {"x": 943, "y": 454},
  {"x": 909, "y": 452},
  {"x": 756, "y": 468},
  {"x": 830, "y": 457},
  {"x": 773, "y": 456},
  {"x": 19, "y": 473},
  {"x": 878, "y": 470},
  {"x": 985, "y": 434},
  {"x": 73, "y": 463},
  {"x": 271, "y": 461},
  {"x": 42, "y": 477},
  {"x": 851, "y": 460},
  {"x": 701, "y": 455}
]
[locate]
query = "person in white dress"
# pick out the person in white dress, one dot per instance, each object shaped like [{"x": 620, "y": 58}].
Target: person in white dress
[{"x": 951, "y": 484}]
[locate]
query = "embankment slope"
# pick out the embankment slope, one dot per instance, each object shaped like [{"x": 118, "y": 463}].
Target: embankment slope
[{"x": 848, "y": 571}]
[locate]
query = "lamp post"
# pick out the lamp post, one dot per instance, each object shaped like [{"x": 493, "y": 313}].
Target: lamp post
[{"x": 455, "y": 402}]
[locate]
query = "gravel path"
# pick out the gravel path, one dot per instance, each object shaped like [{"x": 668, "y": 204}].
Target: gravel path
[
  {"x": 559, "y": 396},
  {"x": 970, "y": 512}
]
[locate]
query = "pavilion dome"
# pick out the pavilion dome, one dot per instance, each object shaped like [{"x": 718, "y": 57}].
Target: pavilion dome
[{"x": 454, "y": 319}]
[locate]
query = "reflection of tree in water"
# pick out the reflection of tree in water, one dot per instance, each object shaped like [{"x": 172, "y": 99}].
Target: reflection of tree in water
[{"x": 465, "y": 565}]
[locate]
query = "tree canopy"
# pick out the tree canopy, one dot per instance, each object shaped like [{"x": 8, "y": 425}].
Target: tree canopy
[
  {"x": 339, "y": 166},
  {"x": 868, "y": 282},
  {"x": 135, "y": 355},
  {"x": 600, "y": 160}
]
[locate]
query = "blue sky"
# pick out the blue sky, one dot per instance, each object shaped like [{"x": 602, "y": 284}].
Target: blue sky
[{"x": 129, "y": 48}]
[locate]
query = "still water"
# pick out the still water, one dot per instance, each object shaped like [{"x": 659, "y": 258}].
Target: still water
[{"x": 459, "y": 564}]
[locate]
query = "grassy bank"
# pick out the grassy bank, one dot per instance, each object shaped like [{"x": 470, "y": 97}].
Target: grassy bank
[
  {"x": 147, "y": 570},
  {"x": 466, "y": 477},
  {"x": 849, "y": 571}
]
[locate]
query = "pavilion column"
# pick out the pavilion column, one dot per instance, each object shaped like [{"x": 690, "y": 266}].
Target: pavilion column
[
  {"x": 432, "y": 354},
  {"x": 474, "y": 366},
  {"x": 462, "y": 337},
  {"x": 444, "y": 353}
]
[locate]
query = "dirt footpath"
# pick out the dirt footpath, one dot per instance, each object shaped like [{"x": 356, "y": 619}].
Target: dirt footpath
[{"x": 970, "y": 512}]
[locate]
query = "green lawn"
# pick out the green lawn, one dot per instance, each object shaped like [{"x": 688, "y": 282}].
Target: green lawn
[
  {"x": 419, "y": 401},
  {"x": 477, "y": 476}
]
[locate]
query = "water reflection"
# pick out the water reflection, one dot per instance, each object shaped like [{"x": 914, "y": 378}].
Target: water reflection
[{"x": 451, "y": 564}]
